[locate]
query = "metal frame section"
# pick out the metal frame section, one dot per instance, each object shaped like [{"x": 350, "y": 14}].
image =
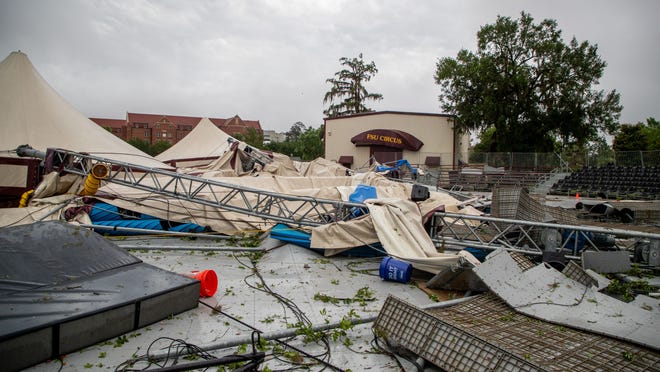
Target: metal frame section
[
  {"x": 485, "y": 334},
  {"x": 404, "y": 326},
  {"x": 455, "y": 230},
  {"x": 288, "y": 209}
]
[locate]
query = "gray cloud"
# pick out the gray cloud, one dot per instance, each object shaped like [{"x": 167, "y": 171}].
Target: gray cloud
[{"x": 268, "y": 60}]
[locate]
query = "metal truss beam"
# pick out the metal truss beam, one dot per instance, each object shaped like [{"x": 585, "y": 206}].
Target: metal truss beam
[
  {"x": 460, "y": 230},
  {"x": 289, "y": 209}
]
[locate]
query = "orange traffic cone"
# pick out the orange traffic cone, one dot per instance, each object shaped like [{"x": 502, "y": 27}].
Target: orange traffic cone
[{"x": 208, "y": 282}]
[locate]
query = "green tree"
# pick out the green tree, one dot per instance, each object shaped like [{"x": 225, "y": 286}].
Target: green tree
[
  {"x": 285, "y": 147},
  {"x": 600, "y": 153},
  {"x": 638, "y": 137},
  {"x": 530, "y": 85},
  {"x": 151, "y": 149},
  {"x": 348, "y": 88},
  {"x": 158, "y": 147},
  {"x": 296, "y": 130},
  {"x": 252, "y": 138},
  {"x": 140, "y": 144},
  {"x": 303, "y": 142},
  {"x": 310, "y": 145},
  {"x": 485, "y": 140},
  {"x": 652, "y": 133}
]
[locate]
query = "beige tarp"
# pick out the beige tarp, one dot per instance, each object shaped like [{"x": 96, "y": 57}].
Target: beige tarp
[
  {"x": 281, "y": 165},
  {"x": 398, "y": 224},
  {"x": 46, "y": 209},
  {"x": 320, "y": 167},
  {"x": 32, "y": 113},
  {"x": 394, "y": 221}
]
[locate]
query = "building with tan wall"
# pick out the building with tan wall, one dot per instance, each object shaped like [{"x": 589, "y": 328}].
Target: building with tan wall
[{"x": 386, "y": 136}]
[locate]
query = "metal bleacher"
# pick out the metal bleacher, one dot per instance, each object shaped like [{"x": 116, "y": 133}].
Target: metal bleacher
[{"x": 612, "y": 182}]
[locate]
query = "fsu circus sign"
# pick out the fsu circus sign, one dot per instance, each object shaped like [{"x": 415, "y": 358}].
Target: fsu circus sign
[{"x": 388, "y": 137}]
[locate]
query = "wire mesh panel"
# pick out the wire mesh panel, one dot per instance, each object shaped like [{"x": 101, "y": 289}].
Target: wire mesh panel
[
  {"x": 523, "y": 261},
  {"x": 486, "y": 334},
  {"x": 442, "y": 344},
  {"x": 575, "y": 272},
  {"x": 516, "y": 203}
]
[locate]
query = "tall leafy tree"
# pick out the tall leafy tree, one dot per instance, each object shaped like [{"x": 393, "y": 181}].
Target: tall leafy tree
[
  {"x": 652, "y": 133},
  {"x": 530, "y": 85},
  {"x": 303, "y": 142},
  {"x": 252, "y": 138},
  {"x": 638, "y": 137},
  {"x": 151, "y": 149},
  {"x": 140, "y": 144},
  {"x": 348, "y": 88},
  {"x": 159, "y": 147},
  {"x": 310, "y": 145},
  {"x": 295, "y": 131}
]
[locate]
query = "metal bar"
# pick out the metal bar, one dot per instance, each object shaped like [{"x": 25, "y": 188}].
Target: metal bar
[
  {"x": 596, "y": 229},
  {"x": 522, "y": 240}
]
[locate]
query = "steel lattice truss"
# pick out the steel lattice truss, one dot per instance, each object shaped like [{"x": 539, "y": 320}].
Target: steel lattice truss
[
  {"x": 289, "y": 209},
  {"x": 448, "y": 229},
  {"x": 460, "y": 230}
]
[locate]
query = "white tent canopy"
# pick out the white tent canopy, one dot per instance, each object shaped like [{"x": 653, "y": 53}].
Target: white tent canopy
[
  {"x": 205, "y": 141},
  {"x": 33, "y": 113}
]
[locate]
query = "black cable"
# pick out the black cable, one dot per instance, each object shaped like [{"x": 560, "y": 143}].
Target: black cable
[
  {"x": 286, "y": 304},
  {"x": 327, "y": 364},
  {"x": 350, "y": 267},
  {"x": 385, "y": 351},
  {"x": 175, "y": 349}
]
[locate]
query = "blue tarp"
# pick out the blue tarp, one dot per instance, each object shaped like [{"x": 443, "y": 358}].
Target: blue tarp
[
  {"x": 399, "y": 164},
  {"x": 108, "y": 212},
  {"x": 109, "y": 215},
  {"x": 294, "y": 236},
  {"x": 361, "y": 193}
]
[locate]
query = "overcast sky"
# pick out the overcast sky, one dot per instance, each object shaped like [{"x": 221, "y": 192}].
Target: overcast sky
[{"x": 268, "y": 60}]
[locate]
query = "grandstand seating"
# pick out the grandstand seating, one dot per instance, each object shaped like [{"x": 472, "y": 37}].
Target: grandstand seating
[
  {"x": 612, "y": 182},
  {"x": 486, "y": 181}
]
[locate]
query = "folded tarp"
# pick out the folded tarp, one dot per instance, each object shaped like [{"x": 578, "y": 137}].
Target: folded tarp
[
  {"x": 398, "y": 224},
  {"x": 303, "y": 238}
]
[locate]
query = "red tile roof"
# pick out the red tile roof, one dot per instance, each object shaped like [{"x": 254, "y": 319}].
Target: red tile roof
[
  {"x": 235, "y": 122},
  {"x": 218, "y": 122},
  {"x": 153, "y": 118},
  {"x": 231, "y": 126},
  {"x": 236, "y": 125}
]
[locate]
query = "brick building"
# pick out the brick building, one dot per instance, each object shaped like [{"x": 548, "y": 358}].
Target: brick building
[{"x": 153, "y": 128}]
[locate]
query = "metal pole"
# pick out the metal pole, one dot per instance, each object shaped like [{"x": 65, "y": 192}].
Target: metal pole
[
  {"x": 155, "y": 232},
  {"x": 603, "y": 230},
  {"x": 292, "y": 331}
]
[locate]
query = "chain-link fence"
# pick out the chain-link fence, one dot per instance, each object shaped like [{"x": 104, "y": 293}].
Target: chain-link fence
[{"x": 540, "y": 162}]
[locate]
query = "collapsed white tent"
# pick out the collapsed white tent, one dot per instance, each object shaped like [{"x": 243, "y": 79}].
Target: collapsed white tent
[
  {"x": 33, "y": 113},
  {"x": 394, "y": 220},
  {"x": 203, "y": 142}
]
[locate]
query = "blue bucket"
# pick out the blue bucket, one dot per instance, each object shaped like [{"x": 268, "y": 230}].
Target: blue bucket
[{"x": 395, "y": 270}]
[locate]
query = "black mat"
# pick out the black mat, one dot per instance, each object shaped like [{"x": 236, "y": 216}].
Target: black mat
[{"x": 63, "y": 288}]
